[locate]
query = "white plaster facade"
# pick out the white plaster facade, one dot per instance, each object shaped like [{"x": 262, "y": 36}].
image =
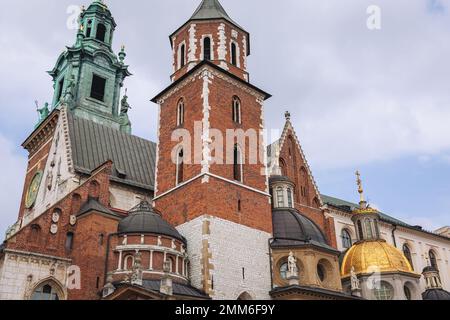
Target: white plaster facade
[
  {"x": 21, "y": 272},
  {"x": 419, "y": 243},
  {"x": 239, "y": 258}
]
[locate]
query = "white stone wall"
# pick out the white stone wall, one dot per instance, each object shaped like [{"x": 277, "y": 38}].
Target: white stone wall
[
  {"x": 20, "y": 273},
  {"x": 420, "y": 243},
  {"x": 126, "y": 198},
  {"x": 232, "y": 247}
]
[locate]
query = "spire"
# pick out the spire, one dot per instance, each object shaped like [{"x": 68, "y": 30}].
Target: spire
[
  {"x": 210, "y": 9},
  {"x": 362, "y": 201}
]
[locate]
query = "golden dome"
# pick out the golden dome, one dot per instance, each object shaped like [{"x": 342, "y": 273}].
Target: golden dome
[{"x": 365, "y": 255}]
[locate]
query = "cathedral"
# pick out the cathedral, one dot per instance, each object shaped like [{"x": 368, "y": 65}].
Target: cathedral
[{"x": 107, "y": 215}]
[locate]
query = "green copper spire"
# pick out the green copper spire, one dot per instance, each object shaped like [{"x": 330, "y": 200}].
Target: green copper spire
[{"x": 88, "y": 76}]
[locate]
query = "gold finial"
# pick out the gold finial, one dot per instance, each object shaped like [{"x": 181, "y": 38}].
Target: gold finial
[{"x": 362, "y": 201}]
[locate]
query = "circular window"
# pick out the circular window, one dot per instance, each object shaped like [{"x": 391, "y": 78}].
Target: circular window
[
  {"x": 407, "y": 291},
  {"x": 383, "y": 291},
  {"x": 321, "y": 273}
]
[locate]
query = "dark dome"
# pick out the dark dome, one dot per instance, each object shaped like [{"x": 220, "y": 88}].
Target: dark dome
[
  {"x": 277, "y": 178},
  {"x": 290, "y": 224},
  {"x": 143, "y": 220},
  {"x": 436, "y": 294},
  {"x": 429, "y": 269}
]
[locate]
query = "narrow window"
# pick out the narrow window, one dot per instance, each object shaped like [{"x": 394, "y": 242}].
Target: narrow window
[
  {"x": 69, "y": 241},
  {"x": 236, "y": 110},
  {"x": 60, "y": 89},
  {"x": 182, "y": 56},
  {"x": 407, "y": 253},
  {"x": 433, "y": 260},
  {"x": 101, "y": 32},
  {"x": 207, "y": 48},
  {"x": 98, "y": 88},
  {"x": 233, "y": 54},
  {"x": 89, "y": 29},
  {"x": 180, "y": 113},
  {"x": 180, "y": 165},
  {"x": 97, "y": 285},
  {"x": 280, "y": 197},
  {"x": 101, "y": 239},
  {"x": 346, "y": 239},
  {"x": 360, "y": 230},
  {"x": 237, "y": 168},
  {"x": 243, "y": 273},
  {"x": 368, "y": 225},
  {"x": 239, "y": 206},
  {"x": 289, "y": 197}
]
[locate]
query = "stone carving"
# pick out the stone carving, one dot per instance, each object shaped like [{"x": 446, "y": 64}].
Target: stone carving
[
  {"x": 43, "y": 112},
  {"x": 354, "y": 280},
  {"x": 136, "y": 276},
  {"x": 55, "y": 217},
  {"x": 69, "y": 93},
  {"x": 159, "y": 244},
  {"x": 53, "y": 229},
  {"x": 292, "y": 264},
  {"x": 124, "y": 105},
  {"x": 73, "y": 220},
  {"x": 49, "y": 180},
  {"x": 125, "y": 240},
  {"x": 174, "y": 246}
]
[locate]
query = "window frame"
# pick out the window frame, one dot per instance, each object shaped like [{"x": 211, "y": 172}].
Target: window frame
[{"x": 94, "y": 93}]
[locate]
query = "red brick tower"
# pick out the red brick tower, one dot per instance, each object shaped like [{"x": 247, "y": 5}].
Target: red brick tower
[{"x": 212, "y": 183}]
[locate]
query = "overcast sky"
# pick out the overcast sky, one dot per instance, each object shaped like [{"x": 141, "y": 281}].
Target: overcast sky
[{"x": 373, "y": 100}]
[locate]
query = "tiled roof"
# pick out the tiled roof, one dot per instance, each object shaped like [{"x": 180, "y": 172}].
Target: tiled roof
[
  {"x": 93, "y": 144},
  {"x": 352, "y": 206}
]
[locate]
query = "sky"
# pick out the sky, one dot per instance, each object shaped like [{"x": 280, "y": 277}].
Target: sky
[{"x": 376, "y": 100}]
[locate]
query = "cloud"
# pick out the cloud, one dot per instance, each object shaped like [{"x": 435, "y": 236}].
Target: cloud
[{"x": 11, "y": 183}]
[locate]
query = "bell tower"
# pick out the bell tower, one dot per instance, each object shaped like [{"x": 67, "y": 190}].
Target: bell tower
[
  {"x": 88, "y": 75},
  {"x": 211, "y": 175}
]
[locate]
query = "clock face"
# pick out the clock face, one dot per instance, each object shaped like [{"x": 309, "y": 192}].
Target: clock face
[{"x": 33, "y": 190}]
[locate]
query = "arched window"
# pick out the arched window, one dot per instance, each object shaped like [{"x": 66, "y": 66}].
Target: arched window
[
  {"x": 45, "y": 292},
  {"x": 346, "y": 239},
  {"x": 76, "y": 204},
  {"x": 94, "y": 189},
  {"x": 180, "y": 167},
  {"x": 69, "y": 241},
  {"x": 289, "y": 198},
  {"x": 170, "y": 264},
  {"x": 180, "y": 113},
  {"x": 284, "y": 268},
  {"x": 407, "y": 253},
  {"x": 377, "y": 229},
  {"x": 283, "y": 167},
  {"x": 433, "y": 260},
  {"x": 321, "y": 272},
  {"x": 207, "y": 48},
  {"x": 383, "y": 291},
  {"x": 89, "y": 29},
  {"x": 316, "y": 202},
  {"x": 101, "y": 32},
  {"x": 237, "y": 167},
  {"x": 368, "y": 225},
  {"x": 236, "y": 110},
  {"x": 233, "y": 54},
  {"x": 182, "y": 54},
  {"x": 407, "y": 291},
  {"x": 280, "y": 197},
  {"x": 360, "y": 230},
  {"x": 128, "y": 262}
]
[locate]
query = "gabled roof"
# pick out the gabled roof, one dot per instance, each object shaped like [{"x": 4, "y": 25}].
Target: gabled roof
[
  {"x": 92, "y": 144},
  {"x": 278, "y": 145}
]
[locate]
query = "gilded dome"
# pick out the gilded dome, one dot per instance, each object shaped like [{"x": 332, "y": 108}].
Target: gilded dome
[{"x": 364, "y": 255}]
